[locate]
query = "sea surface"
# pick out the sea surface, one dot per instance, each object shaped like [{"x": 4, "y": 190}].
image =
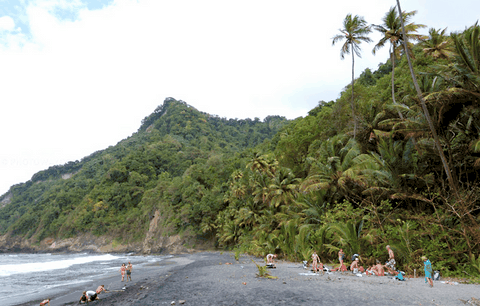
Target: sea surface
[{"x": 36, "y": 274}]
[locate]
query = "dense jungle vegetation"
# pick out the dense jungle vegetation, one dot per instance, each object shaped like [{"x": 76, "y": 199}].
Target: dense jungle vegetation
[{"x": 357, "y": 173}]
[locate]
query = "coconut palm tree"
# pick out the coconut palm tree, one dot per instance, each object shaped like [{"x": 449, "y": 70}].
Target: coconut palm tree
[
  {"x": 446, "y": 167},
  {"x": 438, "y": 45},
  {"x": 334, "y": 169},
  {"x": 391, "y": 29},
  {"x": 354, "y": 32}
]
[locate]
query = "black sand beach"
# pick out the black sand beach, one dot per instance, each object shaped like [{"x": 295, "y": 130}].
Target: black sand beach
[{"x": 215, "y": 278}]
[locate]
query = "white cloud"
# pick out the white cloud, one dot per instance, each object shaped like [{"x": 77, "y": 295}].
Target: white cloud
[
  {"x": 6, "y": 23},
  {"x": 74, "y": 86}
]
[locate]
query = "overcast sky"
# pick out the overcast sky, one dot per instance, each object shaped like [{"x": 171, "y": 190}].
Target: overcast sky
[{"x": 78, "y": 76}]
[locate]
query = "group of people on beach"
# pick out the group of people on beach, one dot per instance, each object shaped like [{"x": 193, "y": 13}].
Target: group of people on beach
[
  {"x": 90, "y": 295},
  {"x": 378, "y": 269},
  {"x": 128, "y": 270}
]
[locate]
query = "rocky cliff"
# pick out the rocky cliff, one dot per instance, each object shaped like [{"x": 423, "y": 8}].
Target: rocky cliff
[{"x": 155, "y": 242}]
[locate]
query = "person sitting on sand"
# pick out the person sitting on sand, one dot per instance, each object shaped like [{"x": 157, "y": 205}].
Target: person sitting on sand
[
  {"x": 100, "y": 289},
  {"x": 270, "y": 258},
  {"x": 45, "y": 302},
  {"x": 122, "y": 271},
  {"x": 354, "y": 266},
  {"x": 315, "y": 260},
  {"x": 129, "y": 271},
  {"x": 379, "y": 268}
]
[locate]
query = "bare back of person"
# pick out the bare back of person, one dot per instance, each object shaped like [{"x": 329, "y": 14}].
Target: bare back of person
[{"x": 379, "y": 269}]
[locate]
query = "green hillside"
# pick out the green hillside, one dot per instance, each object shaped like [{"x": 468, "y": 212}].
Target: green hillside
[
  {"x": 113, "y": 191},
  {"x": 387, "y": 163}
]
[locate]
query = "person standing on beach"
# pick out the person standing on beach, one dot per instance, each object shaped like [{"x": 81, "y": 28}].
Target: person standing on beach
[
  {"x": 427, "y": 265},
  {"x": 391, "y": 259},
  {"x": 45, "y": 302},
  {"x": 129, "y": 271},
  {"x": 341, "y": 255},
  {"x": 122, "y": 271},
  {"x": 315, "y": 260}
]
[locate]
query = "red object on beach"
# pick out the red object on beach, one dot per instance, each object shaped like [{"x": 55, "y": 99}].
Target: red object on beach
[{"x": 244, "y": 283}]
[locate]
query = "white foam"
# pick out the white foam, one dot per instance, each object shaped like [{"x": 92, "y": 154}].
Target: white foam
[{"x": 6, "y": 270}]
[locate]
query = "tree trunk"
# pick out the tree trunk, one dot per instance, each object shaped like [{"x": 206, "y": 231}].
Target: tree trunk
[
  {"x": 353, "y": 101},
  {"x": 392, "y": 58},
  {"x": 446, "y": 167}
]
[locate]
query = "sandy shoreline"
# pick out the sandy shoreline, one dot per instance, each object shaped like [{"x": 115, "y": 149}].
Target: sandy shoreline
[{"x": 215, "y": 278}]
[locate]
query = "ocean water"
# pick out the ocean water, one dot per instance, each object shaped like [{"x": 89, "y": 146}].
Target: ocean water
[{"x": 34, "y": 274}]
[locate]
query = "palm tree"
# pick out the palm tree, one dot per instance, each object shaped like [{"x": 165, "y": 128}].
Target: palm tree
[
  {"x": 391, "y": 29},
  {"x": 334, "y": 169},
  {"x": 354, "y": 32},
  {"x": 349, "y": 236},
  {"x": 438, "y": 45},
  {"x": 446, "y": 167},
  {"x": 283, "y": 189}
]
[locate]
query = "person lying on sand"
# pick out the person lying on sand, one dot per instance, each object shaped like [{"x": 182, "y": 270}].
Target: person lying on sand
[{"x": 45, "y": 302}]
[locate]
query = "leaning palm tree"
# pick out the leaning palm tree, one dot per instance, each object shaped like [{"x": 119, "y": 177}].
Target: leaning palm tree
[
  {"x": 354, "y": 32},
  {"x": 446, "y": 167},
  {"x": 391, "y": 29}
]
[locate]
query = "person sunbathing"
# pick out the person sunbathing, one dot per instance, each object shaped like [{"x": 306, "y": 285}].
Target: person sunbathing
[{"x": 45, "y": 302}]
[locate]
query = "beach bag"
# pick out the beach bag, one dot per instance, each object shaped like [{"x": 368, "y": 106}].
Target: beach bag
[
  {"x": 400, "y": 277},
  {"x": 436, "y": 275}
]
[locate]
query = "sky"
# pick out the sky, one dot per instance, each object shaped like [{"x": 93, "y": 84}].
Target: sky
[{"x": 79, "y": 76}]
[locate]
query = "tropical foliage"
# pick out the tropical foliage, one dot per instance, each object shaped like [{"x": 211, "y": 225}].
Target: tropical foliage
[{"x": 323, "y": 182}]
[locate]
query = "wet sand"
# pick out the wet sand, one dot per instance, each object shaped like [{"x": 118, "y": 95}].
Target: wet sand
[{"x": 215, "y": 278}]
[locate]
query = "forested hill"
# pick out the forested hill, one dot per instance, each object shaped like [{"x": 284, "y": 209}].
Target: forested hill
[{"x": 103, "y": 192}]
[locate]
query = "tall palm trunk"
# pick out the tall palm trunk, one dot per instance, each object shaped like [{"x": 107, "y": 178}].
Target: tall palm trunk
[
  {"x": 353, "y": 101},
  {"x": 392, "y": 58},
  {"x": 446, "y": 167}
]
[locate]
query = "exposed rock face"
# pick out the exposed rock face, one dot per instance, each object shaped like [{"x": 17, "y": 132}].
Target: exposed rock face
[
  {"x": 154, "y": 243},
  {"x": 6, "y": 200}
]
